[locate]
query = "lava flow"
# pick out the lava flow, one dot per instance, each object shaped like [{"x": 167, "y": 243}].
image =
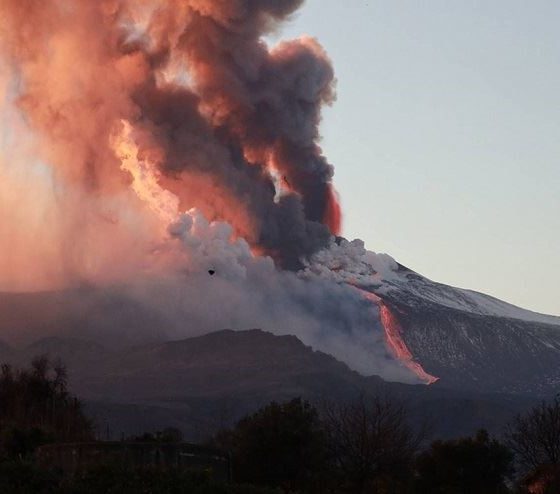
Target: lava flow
[{"x": 394, "y": 339}]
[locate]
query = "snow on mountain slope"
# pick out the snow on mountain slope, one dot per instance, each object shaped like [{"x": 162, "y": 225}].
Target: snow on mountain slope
[
  {"x": 407, "y": 281},
  {"x": 471, "y": 340},
  {"x": 459, "y": 338},
  {"x": 351, "y": 263}
]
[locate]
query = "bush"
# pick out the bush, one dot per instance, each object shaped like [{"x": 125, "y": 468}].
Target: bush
[
  {"x": 36, "y": 408},
  {"x": 281, "y": 445},
  {"x": 109, "y": 480},
  {"x": 25, "y": 478},
  {"x": 469, "y": 465},
  {"x": 17, "y": 477}
]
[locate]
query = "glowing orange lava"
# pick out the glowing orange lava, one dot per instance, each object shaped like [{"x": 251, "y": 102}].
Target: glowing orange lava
[
  {"x": 333, "y": 212},
  {"x": 395, "y": 342},
  {"x": 145, "y": 177}
]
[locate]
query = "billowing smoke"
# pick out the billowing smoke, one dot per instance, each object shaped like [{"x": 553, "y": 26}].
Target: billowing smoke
[
  {"x": 161, "y": 148},
  {"x": 231, "y": 124}
]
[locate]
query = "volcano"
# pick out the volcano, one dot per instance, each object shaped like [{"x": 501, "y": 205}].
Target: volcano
[
  {"x": 461, "y": 339},
  {"x": 166, "y": 159},
  {"x": 471, "y": 340}
]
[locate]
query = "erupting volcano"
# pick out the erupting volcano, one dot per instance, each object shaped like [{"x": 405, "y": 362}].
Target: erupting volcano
[{"x": 149, "y": 143}]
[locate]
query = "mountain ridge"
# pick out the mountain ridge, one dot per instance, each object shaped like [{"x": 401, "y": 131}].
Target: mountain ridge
[
  {"x": 460, "y": 298},
  {"x": 191, "y": 384}
]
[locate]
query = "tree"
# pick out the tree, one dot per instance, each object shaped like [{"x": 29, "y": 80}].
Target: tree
[
  {"x": 36, "y": 407},
  {"x": 371, "y": 445},
  {"x": 281, "y": 445},
  {"x": 542, "y": 480},
  {"x": 535, "y": 437},
  {"x": 477, "y": 465}
]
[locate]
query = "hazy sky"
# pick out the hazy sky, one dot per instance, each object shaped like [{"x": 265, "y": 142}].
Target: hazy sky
[{"x": 446, "y": 136}]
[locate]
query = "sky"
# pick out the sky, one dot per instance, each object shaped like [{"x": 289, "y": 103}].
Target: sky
[{"x": 446, "y": 136}]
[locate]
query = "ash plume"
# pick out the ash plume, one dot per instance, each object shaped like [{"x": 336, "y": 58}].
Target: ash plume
[
  {"x": 218, "y": 112},
  {"x": 146, "y": 144}
]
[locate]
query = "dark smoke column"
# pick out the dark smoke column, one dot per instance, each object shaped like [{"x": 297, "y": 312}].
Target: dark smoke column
[
  {"x": 264, "y": 110},
  {"x": 243, "y": 119}
]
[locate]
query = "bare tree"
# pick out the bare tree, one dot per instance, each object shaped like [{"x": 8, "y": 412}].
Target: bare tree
[
  {"x": 371, "y": 444},
  {"x": 36, "y": 407},
  {"x": 535, "y": 437}
]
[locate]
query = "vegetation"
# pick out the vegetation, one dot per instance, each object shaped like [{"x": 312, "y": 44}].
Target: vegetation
[
  {"x": 36, "y": 408},
  {"x": 534, "y": 438},
  {"x": 281, "y": 445},
  {"x": 463, "y": 466},
  {"x": 371, "y": 446},
  {"x": 27, "y": 478},
  {"x": 366, "y": 446}
]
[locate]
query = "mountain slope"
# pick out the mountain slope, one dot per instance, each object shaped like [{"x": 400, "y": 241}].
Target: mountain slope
[
  {"x": 470, "y": 340},
  {"x": 203, "y": 383},
  {"x": 466, "y": 339},
  {"x": 252, "y": 365},
  {"x": 417, "y": 289}
]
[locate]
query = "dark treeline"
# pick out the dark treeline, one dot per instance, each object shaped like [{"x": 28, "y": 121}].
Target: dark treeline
[
  {"x": 365, "y": 446},
  {"x": 362, "y": 447},
  {"x": 368, "y": 446},
  {"x": 36, "y": 408}
]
